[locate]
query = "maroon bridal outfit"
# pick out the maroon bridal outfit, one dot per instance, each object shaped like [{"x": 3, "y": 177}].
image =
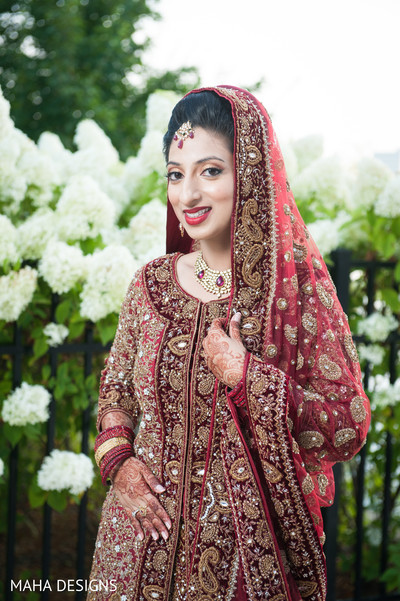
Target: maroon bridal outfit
[{"x": 246, "y": 471}]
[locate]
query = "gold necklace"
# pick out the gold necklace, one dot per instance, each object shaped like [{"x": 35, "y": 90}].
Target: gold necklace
[{"x": 216, "y": 282}]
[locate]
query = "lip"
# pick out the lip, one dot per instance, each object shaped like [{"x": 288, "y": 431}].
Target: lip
[{"x": 196, "y": 220}]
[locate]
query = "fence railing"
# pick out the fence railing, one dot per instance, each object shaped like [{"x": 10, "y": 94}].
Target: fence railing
[{"x": 343, "y": 265}]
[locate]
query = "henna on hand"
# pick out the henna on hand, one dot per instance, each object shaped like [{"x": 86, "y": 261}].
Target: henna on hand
[
  {"x": 225, "y": 354},
  {"x": 134, "y": 485}
]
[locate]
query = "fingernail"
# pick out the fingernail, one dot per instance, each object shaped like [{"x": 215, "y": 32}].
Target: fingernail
[
  {"x": 154, "y": 535},
  {"x": 160, "y": 488},
  {"x": 169, "y": 526},
  {"x": 141, "y": 537},
  {"x": 164, "y": 535},
  {"x": 237, "y": 316}
]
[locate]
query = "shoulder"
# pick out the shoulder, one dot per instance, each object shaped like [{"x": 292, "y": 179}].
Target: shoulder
[{"x": 163, "y": 263}]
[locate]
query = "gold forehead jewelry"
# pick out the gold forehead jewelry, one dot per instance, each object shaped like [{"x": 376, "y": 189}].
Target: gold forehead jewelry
[{"x": 185, "y": 131}]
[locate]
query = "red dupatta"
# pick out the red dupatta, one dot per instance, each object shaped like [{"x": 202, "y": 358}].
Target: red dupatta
[{"x": 302, "y": 385}]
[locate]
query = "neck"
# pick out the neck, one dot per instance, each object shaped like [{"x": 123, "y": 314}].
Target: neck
[{"x": 216, "y": 254}]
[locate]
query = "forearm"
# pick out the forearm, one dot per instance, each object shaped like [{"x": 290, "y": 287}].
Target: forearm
[{"x": 115, "y": 418}]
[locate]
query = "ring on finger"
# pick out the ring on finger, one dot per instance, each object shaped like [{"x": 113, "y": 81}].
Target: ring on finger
[{"x": 142, "y": 510}]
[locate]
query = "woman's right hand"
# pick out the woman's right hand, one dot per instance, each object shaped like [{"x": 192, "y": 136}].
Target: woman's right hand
[{"x": 134, "y": 485}]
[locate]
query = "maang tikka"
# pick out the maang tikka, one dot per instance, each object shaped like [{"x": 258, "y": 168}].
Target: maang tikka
[{"x": 185, "y": 131}]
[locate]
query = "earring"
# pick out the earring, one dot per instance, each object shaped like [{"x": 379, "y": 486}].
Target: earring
[{"x": 182, "y": 230}]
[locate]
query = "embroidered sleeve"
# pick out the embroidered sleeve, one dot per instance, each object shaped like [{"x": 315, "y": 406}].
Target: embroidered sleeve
[
  {"x": 116, "y": 384},
  {"x": 326, "y": 411}
]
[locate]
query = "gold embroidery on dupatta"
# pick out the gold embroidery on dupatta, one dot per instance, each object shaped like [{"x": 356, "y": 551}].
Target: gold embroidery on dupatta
[
  {"x": 343, "y": 436},
  {"x": 324, "y": 296},
  {"x": 152, "y": 592},
  {"x": 357, "y": 409},
  {"x": 350, "y": 348},
  {"x": 290, "y": 333},
  {"x": 329, "y": 368}
]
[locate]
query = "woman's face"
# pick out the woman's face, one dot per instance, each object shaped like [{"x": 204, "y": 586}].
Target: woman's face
[{"x": 201, "y": 185}]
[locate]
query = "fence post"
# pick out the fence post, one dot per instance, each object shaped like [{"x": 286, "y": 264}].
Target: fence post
[{"x": 341, "y": 277}]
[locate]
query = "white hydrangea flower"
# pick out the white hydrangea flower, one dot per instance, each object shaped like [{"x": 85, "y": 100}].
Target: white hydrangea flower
[
  {"x": 89, "y": 135},
  {"x": 308, "y": 150},
  {"x": 55, "y": 333},
  {"x": 13, "y": 185},
  {"x": 41, "y": 175},
  {"x": 132, "y": 176},
  {"x": 377, "y": 327},
  {"x": 16, "y": 292},
  {"x": 1, "y": 468},
  {"x": 150, "y": 155},
  {"x": 62, "y": 266},
  {"x": 159, "y": 108},
  {"x": 384, "y": 393},
  {"x": 83, "y": 209},
  {"x": 28, "y": 404},
  {"x": 8, "y": 241},
  {"x": 109, "y": 273},
  {"x": 51, "y": 146},
  {"x": 35, "y": 233},
  {"x": 372, "y": 177},
  {"x": 388, "y": 203},
  {"x": 373, "y": 353},
  {"x": 145, "y": 235},
  {"x": 325, "y": 180},
  {"x": 65, "y": 470},
  {"x": 326, "y": 233}
]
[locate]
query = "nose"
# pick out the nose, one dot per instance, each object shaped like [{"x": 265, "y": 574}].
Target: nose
[{"x": 190, "y": 191}]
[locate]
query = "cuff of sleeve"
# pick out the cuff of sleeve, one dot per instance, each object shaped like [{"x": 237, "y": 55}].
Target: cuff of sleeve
[{"x": 238, "y": 394}]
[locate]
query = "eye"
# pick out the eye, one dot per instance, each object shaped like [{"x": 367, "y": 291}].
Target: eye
[
  {"x": 212, "y": 171},
  {"x": 174, "y": 176}
]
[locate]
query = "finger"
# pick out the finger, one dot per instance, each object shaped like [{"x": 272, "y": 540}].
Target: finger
[
  {"x": 217, "y": 324},
  {"x": 151, "y": 480},
  {"x": 137, "y": 526},
  {"x": 234, "y": 327}
]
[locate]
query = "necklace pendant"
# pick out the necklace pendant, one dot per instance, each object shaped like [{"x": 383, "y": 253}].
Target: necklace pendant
[{"x": 215, "y": 282}]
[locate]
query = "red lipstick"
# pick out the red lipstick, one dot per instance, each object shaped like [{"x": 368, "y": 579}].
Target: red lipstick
[{"x": 197, "y": 215}]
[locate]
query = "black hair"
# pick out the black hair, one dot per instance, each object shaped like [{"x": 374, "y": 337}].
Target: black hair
[{"x": 203, "y": 109}]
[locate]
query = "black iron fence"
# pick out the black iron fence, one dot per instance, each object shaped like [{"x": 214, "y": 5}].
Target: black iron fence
[{"x": 343, "y": 266}]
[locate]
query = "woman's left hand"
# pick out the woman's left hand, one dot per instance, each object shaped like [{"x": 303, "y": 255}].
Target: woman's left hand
[{"x": 225, "y": 354}]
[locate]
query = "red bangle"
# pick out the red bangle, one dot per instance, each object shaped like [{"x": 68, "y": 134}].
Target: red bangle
[{"x": 114, "y": 432}]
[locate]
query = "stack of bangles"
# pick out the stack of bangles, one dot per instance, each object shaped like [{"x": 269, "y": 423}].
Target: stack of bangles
[{"x": 112, "y": 446}]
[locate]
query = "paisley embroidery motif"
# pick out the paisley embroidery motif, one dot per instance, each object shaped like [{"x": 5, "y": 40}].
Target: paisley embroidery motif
[
  {"x": 357, "y": 409},
  {"x": 350, "y": 348},
  {"x": 179, "y": 345},
  {"x": 208, "y": 581},
  {"x": 330, "y": 369},
  {"x": 253, "y": 257},
  {"x": 324, "y": 296},
  {"x": 239, "y": 470},
  {"x": 290, "y": 333}
]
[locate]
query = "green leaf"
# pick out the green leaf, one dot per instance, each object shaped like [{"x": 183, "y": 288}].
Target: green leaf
[
  {"x": 58, "y": 500},
  {"x": 63, "y": 311},
  {"x": 391, "y": 298},
  {"x": 76, "y": 329},
  {"x": 40, "y": 347},
  {"x": 13, "y": 433},
  {"x": 36, "y": 495},
  {"x": 107, "y": 332}
]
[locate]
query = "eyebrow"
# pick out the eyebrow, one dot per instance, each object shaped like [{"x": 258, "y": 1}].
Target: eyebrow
[{"x": 200, "y": 161}]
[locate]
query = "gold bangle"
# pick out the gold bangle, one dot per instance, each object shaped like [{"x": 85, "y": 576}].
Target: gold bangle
[{"x": 107, "y": 446}]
